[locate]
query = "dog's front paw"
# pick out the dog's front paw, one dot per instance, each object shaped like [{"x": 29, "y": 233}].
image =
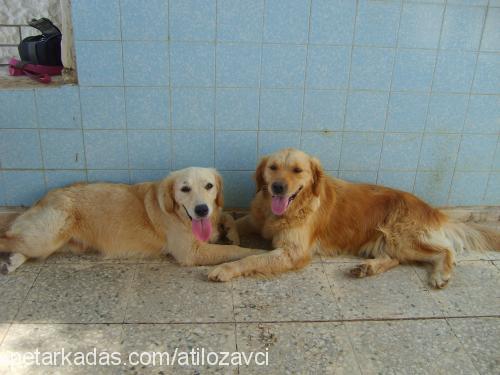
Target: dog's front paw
[
  {"x": 439, "y": 280},
  {"x": 224, "y": 272}
]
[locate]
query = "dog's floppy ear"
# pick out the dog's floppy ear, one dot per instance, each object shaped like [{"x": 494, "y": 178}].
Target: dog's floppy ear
[
  {"x": 259, "y": 173},
  {"x": 219, "y": 199},
  {"x": 317, "y": 175},
  {"x": 165, "y": 193}
]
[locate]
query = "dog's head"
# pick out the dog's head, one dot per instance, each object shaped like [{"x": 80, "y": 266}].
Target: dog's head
[
  {"x": 287, "y": 174},
  {"x": 194, "y": 194}
]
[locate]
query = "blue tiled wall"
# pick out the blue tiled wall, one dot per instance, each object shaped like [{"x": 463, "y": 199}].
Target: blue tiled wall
[{"x": 400, "y": 93}]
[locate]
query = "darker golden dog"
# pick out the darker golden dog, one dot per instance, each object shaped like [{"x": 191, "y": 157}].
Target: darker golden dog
[{"x": 304, "y": 212}]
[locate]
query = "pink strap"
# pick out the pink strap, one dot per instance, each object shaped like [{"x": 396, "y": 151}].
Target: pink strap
[{"x": 40, "y": 73}]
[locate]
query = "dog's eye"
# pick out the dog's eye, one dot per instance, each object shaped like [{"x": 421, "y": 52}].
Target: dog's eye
[
  {"x": 186, "y": 189},
  {"x": 209, "y": 186},
  {"x": 273, "y": 167},
  {"x": 297, "y": 170}
]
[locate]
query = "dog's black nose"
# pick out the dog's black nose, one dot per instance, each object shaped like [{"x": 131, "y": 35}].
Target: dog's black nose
[
  {"x": 278, "y": 188},
  {"x": 201, "y": 210}
]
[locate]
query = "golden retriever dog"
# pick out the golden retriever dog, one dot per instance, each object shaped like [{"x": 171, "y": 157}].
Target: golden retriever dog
[
  {"x": 304, "y": 212},
  {"x": 175, "y": 216}
]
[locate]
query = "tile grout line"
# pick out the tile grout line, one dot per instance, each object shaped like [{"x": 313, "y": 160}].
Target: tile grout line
[
  {"x": 85, "y": 168},
  {"x": 377, "y": 181},
  {"x": 348, "y": 90},
  {"x": 483, "y": 26},
  {"x": 492, "y": 166},
  {"x": 305, "y": 74},
  {"x": 123, "y": 89},
  {"x": 215, "y": 82},
  {"x": 42, "y": 158},
  {"x": 429, "y": 93},
  {"x": 129, "y": 288},
  {"x": 170, "y": 93},
  {"x": 263, "y": 24}
]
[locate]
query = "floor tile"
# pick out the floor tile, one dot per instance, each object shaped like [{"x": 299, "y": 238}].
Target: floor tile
[
  {"x": 168, "y": 293},
  {"x": 4, "y": 327},
  {"x": 408, "y": 347},
  {"x": 78, "y": 294},
  {"x": 301, "y": 295},
  {"x": 23, "y": 338},
  {"x": 396, "y": 293},
  {"x": 479, "y": 338},
  {"x": 298, "y": 348},
  {"x": 14, "y": 289},
  {"x": 474, "y": 290},
  {"x": 183, "y": 337}
]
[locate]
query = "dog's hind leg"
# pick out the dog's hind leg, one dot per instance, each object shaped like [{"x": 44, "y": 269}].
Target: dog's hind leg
[
  {"x": 9, "y": 262},
  {"x": 374, "y": 266}
]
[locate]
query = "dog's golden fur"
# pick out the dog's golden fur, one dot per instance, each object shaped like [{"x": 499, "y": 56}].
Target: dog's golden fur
[
  {"x": 121, "y": 220},
  {"x": 331, "y": 216}
]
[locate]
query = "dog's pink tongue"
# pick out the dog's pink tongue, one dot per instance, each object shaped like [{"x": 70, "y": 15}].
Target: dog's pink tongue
[
  {"x": 202, "y": 229},
  {"x": 279, "y": 205}
]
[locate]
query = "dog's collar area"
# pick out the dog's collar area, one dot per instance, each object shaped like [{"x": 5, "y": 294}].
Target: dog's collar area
[{"x": 187, "y": 213}]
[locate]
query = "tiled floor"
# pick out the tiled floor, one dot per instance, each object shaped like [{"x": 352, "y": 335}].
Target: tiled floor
[{"x": 318, "y": 320}]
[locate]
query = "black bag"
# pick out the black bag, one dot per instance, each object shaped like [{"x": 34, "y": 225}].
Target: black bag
[{"x": 42, "y": 49}]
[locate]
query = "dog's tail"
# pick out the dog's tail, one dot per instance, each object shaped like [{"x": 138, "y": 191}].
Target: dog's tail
[{"x": 465, "y": 236}]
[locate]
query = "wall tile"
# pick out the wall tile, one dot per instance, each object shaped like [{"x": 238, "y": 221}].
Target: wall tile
[
  {"x": 366, "y": 110},
  {"x": 413, "y": 70},
  {"x": 147, "y": 107},
  {"x": 59, "y": 107},
  {"x": 102, "y": 107},
  {"x": 454, "y": 71},
  {"x": 58, "y": 179},
  {"x": 377, "y": 23},
  {"x": 192, "y": 20},
  {"x": 62, "y": 149},
  {"x": 272, "y": 141},
  {"x": 332, "y": 21},
  {"x": 372, "y": 68},
  {"x": 114, "y": 176},
  {"x": 149, "y": 149},
  {"x": 193, "y": 108},
  {"x": 468, "y": 2},
  {"x": 106, "y": 149},
  {"x": 362, "y": 177},
  {"x": 283, "y": 66},
  {"x": 145, "y": 175},
  {"x": 491, "y": 33},
  {"x": 20, "y": 149},
  {"x": 281, "y": 109},
  {"x": 397, "y": 180},
  {"x": 145, "y": 63},
  {"x": 446, "y": 113},
  {"x": 476, "y": 152},
  {"x": 144, "y": 20},
  {"x": 439, "y": 151},
  {"x": 487, "y": 78},
  {"x": 462, "y": 27},
  {"x": 96, "y": 19},
  {"x": 192, "y": 64},
  {"x": 324, "y": 110},
  {"x": 361, "y": 151},
  {"x": 240, "y": 20},
  {"x": 433, "y": 187},
  {"x": 328, "y": 67},
  {"x": 239, "y": 188},
  {"x": 23, "y": 187},
  {"x": 468, "y": 188},
  {"x": 237, "y": 109},
  {"x": 238, "y": 65},
  {"x": 420, "y": 25},
  {"x": 193, "y": 148},
  {"x": 483, "y": 115},
  {"x": 286, "y": 21},
  {"x": 2, "y": 191},
  {"x": 400, "y": 151},
  {"x": 326, "y": 146},
  {"x": 492, "y": 196},
  {"x": 407, "y": 112},
  {"x": 18, "y": 109},
  {"x": 99, "y": 63},
  {"x": 235, "y": 150}
]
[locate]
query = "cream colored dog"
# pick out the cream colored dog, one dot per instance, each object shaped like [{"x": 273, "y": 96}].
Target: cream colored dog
[{"x": 174, "y": 216}]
